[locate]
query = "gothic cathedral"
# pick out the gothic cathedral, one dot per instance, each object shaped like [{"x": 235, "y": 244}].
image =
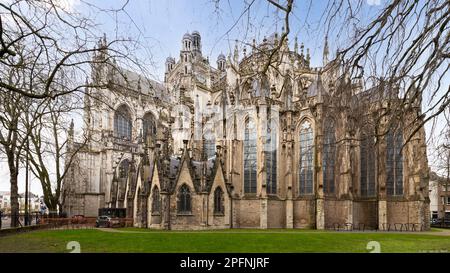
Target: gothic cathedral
[{"x": 226, "y": 146}]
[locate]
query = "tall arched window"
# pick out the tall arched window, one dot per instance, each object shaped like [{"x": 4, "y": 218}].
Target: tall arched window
[
  {"x": 156, "y": 201},
  {"x": 218, "y": 201},
  {"x": 394, "y": 162},
  {"x": 270, "y": 150},
  {"x": 184, "y": 199},
  {"x": 209, "y": 144},
  {"x": 250, "y": 157},
  {"x": 367, "y": 158},
  {"x": 122, "y": 180},
  {"x": 122, "y": 123},
  {"x": 306, "y": 167},
  {"x": 148, "y": 126},
  {"x": 329, "y": 156}
]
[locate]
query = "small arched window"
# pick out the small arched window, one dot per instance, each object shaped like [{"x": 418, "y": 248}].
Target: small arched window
[
  {"x": 122, "y": 123},
  {"x": 250, "y": 157},
  {"x": 184, "y": 200},
  {"x": 394, "y": 162},
  {"x": 306, "y": 168},
  {"x": 218, "y": 201},
  {"x": 156, "y": 201}
]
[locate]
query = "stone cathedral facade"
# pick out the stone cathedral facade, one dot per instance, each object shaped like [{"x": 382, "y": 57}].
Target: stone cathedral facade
[{"x": 226, "y": 146}]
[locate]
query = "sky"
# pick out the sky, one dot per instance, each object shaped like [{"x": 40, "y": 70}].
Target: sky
[{"x": 160, "y": 24}]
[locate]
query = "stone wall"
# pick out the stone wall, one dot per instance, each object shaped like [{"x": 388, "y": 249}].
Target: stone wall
[
  {"x": 276, "y": 214},
  {"x": 365, "y": 212},
  {"x": 337, "y": 212},
  {"x": 304, "y": 214},
  {"x": 247, "y": 213},
  {"x": 92, "y": 203}
]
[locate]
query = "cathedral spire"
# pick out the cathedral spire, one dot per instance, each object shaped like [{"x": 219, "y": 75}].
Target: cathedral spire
[
  {"x": 296, "y": 45},
  {"x": 326, "y": 52},
  {"x": 236, "y": 53}
]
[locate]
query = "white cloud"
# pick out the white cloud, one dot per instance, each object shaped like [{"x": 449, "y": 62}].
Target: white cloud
[
  {"x": 67, "y": 5},
  {"x": 374, "y": 2}
]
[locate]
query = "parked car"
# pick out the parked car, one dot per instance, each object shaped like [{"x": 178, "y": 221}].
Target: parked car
[
  {"x": 440, "y": 222},
  {"x": 107, "y": 221},
  {"x": 434, "y": 221}
]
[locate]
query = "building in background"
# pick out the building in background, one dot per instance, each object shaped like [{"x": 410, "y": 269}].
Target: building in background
[
  {"x": 5, "y": 201},
  {"x": 439, "y": 197},
  {"x": 33, "y": 202}
]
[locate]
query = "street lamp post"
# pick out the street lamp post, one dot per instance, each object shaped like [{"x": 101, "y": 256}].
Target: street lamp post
[{"x": 26, "y": 187}]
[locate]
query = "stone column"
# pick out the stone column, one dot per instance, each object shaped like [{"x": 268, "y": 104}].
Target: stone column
[
  {"x": 381, "y": 167},
  {"x": 382, "y": 214},
  {"x": 288, "y": 147},
  {"x": 165, "y": 212},
  {"x": 261, "y": 174},
  {"x": 346, "y": 179}
]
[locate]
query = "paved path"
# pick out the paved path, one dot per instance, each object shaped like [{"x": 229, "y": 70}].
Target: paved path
[{"x": 445, "y": 232}]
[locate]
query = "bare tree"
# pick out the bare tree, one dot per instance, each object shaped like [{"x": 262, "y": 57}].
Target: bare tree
[
  {"x": 13, "y": 136},
  {"x": 42, "y": 42},
  {"x": 52, "y": 150}
]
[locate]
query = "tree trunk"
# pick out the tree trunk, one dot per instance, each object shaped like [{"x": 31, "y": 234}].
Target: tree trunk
[
  {"x": 14, "y": 195},
  {"x": 52, "y": 206}
]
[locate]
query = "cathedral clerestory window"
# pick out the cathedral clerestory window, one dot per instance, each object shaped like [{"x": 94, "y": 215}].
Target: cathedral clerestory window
[
  {"x": 306, "y": 168},
  {"x": 122, "y": 123},
  {"x": 271, "y": 157},
  {"x": 367, "y": 166},
  {"x": 184, "y": 200},
  {"x": 218, "y": 201},
  {"x": 250, "y": 157},
  {"x": 149, "y": 126},
  {"x": 394, "y": 162},
  {"x": 209, "y": 144},
  {"x": 329, "y": 156}
]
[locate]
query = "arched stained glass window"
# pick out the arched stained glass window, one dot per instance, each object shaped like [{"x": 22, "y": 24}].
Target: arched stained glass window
[
  {"x": 367, "y": 159},
  {"x": 218, "y": 201},
  {"x": 209, "y": 144},
  {"x": 329, "y": 157},
  {"x": 250, "y": 157},
  {"x": 306, "y": 166},
  {"x": 394, "y": 162},
  {"x": 184, "y": 200},
  {"x": 122, "y": 123}
]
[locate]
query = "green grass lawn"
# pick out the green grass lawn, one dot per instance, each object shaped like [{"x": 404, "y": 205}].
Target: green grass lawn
[{"x": 236, "y": 240}]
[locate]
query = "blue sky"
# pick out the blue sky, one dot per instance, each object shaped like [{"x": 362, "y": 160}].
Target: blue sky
[{"x": 160, "y": 24}]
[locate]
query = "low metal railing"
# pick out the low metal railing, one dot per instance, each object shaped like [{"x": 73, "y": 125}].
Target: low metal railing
[{"x": 400, "y": 227}]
